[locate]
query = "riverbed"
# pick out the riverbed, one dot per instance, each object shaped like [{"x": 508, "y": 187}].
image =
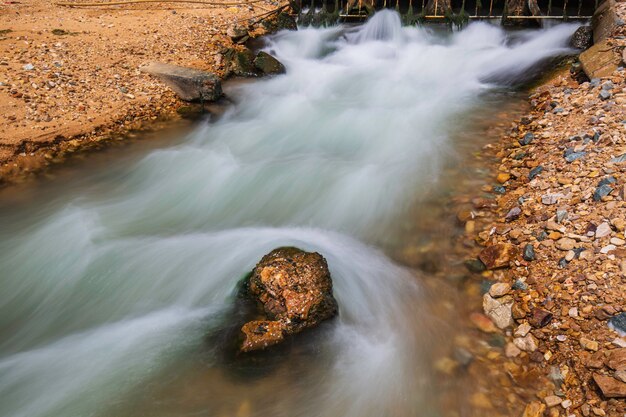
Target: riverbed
[{"x": 117, "y": 281}]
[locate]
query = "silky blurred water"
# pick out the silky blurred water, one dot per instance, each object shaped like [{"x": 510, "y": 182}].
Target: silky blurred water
[{"x": 110, "y": 288}]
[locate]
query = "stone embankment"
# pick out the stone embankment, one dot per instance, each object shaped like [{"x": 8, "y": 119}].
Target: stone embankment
[
  {"x": 552, "y": 262},
  {"x": 70, "y": 77}
]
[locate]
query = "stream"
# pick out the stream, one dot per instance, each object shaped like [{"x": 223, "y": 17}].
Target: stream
[{"x": 113, "y": 285}]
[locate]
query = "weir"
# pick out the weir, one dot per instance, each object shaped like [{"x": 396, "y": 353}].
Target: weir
[{"x": 459, "y": 12}]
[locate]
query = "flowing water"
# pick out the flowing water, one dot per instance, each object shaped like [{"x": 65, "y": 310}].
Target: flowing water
[{"x": 112, "y": 289}]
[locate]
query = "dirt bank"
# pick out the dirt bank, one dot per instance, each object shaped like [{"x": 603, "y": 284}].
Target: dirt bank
[{"x": 69, "y": 77}]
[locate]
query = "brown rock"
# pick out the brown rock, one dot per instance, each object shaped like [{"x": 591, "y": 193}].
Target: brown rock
[
  {"x": 610, "y": 387},
  {"x": 483, "y": 323},
  {"x": 565, "y": 243},
  {"x": 261, "y": 334},
  {"x": 534, "y": 409},
  {"x": 617, "y": 359},
  {"x": 539, "y": 317},
  {"x": 596, "y": 361},
  {"x": 601, "y": 60},
  {"x": 294, "y": 290},
  {"x": 498, "y": 256},
  {"x": 591, "y": 345}
]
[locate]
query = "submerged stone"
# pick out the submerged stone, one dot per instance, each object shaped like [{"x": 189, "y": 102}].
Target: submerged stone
[
  {"x": 474, "y": 265},
  {"x": 499, "y": 189},
  {"x": 497, "y": 256}
]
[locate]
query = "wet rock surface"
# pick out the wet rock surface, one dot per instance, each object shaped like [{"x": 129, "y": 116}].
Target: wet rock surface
[
  {"x": 267, "y": 64},
  {"x": 188, "y": 83},
  {"x": 293, "y": 291},
  {"x": 582, "y": 38}
]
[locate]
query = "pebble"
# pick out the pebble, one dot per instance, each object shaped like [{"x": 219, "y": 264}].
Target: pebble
[
  {"x": 617, "y": 241},
  {"x": 602, "y": 191},
  {"x": 28, "y": 67},
  {"x": 605, "y": 95},
  {"x": 526, "y": 343},
  {"x": 499, "y": 289},
  {"x": 529, "y": 253},
  {"x": 503, "y": 177},
  {"x": 603, "y": 230},
  {"x": 534, "y": 172},
  {"x": 608, "y": 248},
  {"x": 566, "y": 404},
  {"x": 591, "y": 345},
  {"x": 550, "y": 199},
  {"x": 520, "y": 285},
  {"x": 573, "y": 156},
  {"x": 513, "y": 214},
  {"x": 527, "y": 139},
  {"x": 552, "y": 400},
  {"x": 522, "y": 330},
  {"x": 565, "y": 244},
  {"x": 618, "y": 324},
  {"x": 498, "y": 310}
]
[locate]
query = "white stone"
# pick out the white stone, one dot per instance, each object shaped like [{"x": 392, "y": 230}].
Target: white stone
[
  {"x": 603, "y": 230},
  {"x": 608, "y": 248},
  {"x": 498, "y": 310},
  {"x": 522, "y": 330},
  {"x": 527, "y": 343}
]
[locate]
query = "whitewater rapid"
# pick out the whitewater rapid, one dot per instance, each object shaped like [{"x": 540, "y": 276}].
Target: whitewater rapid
[{"x": 107, "y": 297}]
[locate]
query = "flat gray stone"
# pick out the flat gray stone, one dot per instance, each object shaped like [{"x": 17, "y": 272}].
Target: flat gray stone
[{"x": 188, "y": 83}]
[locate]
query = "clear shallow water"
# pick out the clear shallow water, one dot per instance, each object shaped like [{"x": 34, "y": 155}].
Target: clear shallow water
[{"x": 109, "y": 291}]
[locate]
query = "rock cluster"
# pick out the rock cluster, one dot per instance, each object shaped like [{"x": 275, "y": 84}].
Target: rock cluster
[
  {"x": 544, "y": 244},
  {"x": 553, "y": 243},
  {"x": 293, "y": 290}
]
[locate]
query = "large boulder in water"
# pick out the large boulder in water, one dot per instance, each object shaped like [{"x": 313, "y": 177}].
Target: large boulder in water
[
  {"x": 582, "y": 38},
  {"x": 293, "y": 290},
  {"x": 267, "y": 64}
]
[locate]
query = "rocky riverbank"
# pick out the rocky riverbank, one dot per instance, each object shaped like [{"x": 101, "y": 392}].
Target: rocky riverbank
[
  {"x": 70, "y": 79},
  {"x": 548, "y": 275}
]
